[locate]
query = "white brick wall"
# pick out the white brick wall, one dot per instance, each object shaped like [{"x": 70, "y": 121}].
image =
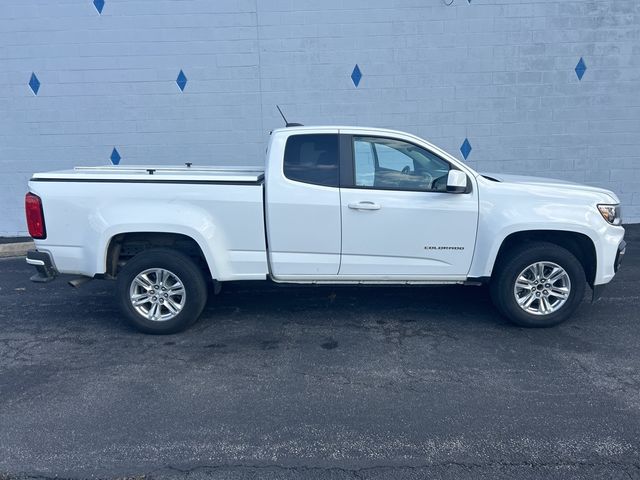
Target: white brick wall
[{"x": 499, "y": 72}]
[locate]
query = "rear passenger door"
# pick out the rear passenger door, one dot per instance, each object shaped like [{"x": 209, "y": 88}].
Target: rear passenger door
[{"x": 303, "y": 205}]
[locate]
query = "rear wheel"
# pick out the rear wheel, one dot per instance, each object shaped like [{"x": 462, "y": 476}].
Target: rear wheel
[
  {"x": 161, "y": 291},
  {"x": 539, "y": 285}
]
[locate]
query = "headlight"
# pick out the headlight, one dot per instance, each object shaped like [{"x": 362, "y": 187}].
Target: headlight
[{"x": 611, "y": 213}]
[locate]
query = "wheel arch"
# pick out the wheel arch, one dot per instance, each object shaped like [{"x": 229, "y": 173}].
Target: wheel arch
[
  {"x": 579, "y": 244},
  {"x": 122, "y": 246}
]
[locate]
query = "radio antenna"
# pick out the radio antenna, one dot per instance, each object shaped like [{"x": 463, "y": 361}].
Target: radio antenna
[{"x": 287, "y": 124}]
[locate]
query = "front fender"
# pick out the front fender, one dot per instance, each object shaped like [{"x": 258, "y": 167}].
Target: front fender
[
  {"x": 491, "y": 242},
  {"x": 575, "y": 213},
  {"x": 506, "y": 208}
]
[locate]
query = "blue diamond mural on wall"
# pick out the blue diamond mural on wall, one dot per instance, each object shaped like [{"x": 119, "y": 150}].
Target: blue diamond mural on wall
[
  {"x": 99, "y": 4},
  {"x": 581, "y": 68},
  {"x": 356, "y": 75},
  {"x": 181, "y": 81},
  {"x": 34, "y": 83},
  {"x": 465, "y": 149},
  {"x": 115, "y": 157}
]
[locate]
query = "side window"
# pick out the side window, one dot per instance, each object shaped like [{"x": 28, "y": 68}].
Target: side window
[
  {"x": 390, "y": 158},
  {"x": 385, "y": 163},
  {"x": 312, "y": 159}
]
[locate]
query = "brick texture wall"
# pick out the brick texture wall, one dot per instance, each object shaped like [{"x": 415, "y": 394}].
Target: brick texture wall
[{"x": 500, "y": 73}]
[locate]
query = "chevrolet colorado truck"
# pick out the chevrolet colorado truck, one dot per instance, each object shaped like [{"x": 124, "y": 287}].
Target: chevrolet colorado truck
[{"x": 333, "y": 205}]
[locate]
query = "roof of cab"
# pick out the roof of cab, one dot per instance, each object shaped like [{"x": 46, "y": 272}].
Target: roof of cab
[{"x": 317, "y": 128}]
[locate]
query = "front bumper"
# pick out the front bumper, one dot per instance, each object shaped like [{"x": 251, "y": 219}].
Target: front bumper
[
  {"x": 44, "y": 266},
  {"x": 598, "y": 290},
  {"x": 619, "y": 256}
]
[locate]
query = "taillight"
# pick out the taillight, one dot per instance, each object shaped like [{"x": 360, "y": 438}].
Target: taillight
[{"x": 35, "y": 216}]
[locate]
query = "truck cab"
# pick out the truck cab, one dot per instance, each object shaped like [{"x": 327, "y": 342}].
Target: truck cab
[{"x": 360, "y": 205}]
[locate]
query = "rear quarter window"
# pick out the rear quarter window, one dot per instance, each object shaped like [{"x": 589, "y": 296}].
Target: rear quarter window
[{"x": 312, "y": 159}]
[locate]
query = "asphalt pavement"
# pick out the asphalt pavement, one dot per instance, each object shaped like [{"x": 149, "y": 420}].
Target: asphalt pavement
[{"x": 318, "y": 383}]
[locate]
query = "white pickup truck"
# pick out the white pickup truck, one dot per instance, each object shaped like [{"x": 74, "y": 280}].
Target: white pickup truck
[{"x": 333, "y": 205}]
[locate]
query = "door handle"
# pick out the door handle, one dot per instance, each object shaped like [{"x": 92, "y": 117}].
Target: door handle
[{"x": 364, "y": 206}]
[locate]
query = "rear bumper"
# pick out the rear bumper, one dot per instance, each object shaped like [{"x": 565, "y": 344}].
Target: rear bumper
[
  {"x": 44, "y": 266},
  {"x": 598, "y": 290}
]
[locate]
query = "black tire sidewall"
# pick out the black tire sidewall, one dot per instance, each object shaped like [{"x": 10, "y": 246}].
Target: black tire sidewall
[
  {"x": 181, "y": 265},
  {"x": 502, "y": 288}
]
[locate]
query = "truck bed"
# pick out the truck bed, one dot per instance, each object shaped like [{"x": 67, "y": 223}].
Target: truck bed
[
  {"x": 159, "y": 174},
  {"x": 221, "y": 208}
]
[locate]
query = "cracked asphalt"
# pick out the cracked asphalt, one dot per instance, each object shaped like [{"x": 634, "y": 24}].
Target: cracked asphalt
[{"x": 318, "y": 383}]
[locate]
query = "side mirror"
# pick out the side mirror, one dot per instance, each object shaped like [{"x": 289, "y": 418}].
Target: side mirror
[{"x": 456, "y": 182}]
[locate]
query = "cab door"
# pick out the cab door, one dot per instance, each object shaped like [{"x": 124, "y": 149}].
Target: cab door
[
  {"x": 303, "y": 204},
  {"x": 398, "y": 221}
]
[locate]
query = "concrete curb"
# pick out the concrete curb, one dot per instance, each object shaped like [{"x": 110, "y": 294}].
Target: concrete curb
[{"x": 15, "y": 249}]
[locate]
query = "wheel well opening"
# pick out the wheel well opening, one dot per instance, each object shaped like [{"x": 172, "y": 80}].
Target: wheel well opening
[
  {"x": 125, "y": 246},
  {"x": 577, "y": 243}
]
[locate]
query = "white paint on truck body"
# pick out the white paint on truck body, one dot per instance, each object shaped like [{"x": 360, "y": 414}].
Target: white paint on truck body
[{"x": 313, "y": 232}]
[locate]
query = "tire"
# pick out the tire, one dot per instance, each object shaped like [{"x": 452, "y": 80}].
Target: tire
[
  {"x": 549, "y": 303},
  {"x": 153, "y": 278}
]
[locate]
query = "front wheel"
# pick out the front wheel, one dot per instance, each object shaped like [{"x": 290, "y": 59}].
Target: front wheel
[
  {"x": 539, "y": 285},
  {"x": 161, "y": 291}
]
